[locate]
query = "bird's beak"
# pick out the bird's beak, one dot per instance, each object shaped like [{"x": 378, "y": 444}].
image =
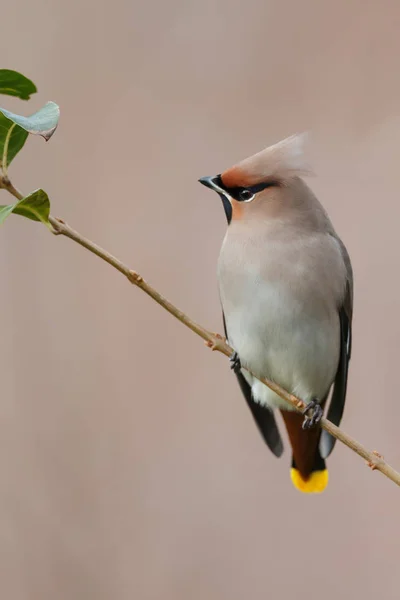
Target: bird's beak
[{"x": 212, "y": 183}]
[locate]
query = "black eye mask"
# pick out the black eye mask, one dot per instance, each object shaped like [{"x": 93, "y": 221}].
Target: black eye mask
[{"x": 239, "y": 193}]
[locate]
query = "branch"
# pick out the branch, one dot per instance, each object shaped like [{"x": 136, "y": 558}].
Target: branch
[{"x": 213, "y": 340}]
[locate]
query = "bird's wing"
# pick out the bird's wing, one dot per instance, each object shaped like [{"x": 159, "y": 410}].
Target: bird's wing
[
  {"x": 263, "y": 416},
  {"x": 336, "y": 406}
]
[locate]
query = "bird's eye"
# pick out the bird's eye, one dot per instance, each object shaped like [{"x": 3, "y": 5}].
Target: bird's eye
[{"x": 246, "y": 196}]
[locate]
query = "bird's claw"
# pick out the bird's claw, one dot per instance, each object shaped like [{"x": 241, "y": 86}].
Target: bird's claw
[
  {"x": 313, "y": 420},
  {"x": 235, "y": 362}
]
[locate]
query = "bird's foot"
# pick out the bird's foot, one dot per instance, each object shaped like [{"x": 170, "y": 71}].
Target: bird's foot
[
  {"x": 235, "y": 362},
  {"x": 317, "y": 412}
]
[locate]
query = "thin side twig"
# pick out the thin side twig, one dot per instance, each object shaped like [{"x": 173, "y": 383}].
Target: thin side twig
[{"x": 213, "y": 340}]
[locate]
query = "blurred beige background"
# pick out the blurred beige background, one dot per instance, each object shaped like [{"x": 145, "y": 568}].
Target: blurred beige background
[{"x": 130, "y": 466}]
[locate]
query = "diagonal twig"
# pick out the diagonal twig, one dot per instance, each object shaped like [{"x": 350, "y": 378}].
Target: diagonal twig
[{"x": 213, "y": 340}]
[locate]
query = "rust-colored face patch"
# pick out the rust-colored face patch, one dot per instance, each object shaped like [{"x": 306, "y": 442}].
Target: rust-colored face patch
[
  {"x": 238, "y": 209},
  {"x": 236, "y": 177}
]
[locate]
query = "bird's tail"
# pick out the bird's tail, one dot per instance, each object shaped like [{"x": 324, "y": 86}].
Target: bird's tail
[
  {"x": 315, "y": 481},
  {"x": 308, "y": 472}
]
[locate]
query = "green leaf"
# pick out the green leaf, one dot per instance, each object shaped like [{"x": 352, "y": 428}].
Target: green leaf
[
  {"x": 15, "y": 84},
  {"x": 14, "y": 129},
  {"x": 16, "y": 141},
  {"x": 5, "y": 211},
  {"x": 44, "y": 122},
  {"x": 35, "y": 206}
]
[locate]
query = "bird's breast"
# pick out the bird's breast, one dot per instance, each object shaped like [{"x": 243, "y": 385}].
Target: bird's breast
[{"x": 280, "y": 302}]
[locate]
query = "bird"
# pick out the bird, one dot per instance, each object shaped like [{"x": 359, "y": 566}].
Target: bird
[{"x": 285, "y": 283}]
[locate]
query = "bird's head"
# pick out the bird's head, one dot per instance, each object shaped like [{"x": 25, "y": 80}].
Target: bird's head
[{"x": 251, "y": 180}]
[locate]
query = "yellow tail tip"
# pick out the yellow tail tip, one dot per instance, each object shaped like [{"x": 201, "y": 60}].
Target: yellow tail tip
[{"x": 315, "y": 484}]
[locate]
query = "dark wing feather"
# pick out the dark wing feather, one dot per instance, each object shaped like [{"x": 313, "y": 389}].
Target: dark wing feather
[
  {"x": 264, "y": 418},
  {"x": 262, "y": 415},
  {"x": 336, "y": 407}
]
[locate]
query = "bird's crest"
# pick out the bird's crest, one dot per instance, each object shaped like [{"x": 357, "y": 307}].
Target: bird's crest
[{"x": 279, "y": 162}]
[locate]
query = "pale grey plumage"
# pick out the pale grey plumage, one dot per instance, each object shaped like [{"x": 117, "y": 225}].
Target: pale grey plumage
[{"x": 283, "y": 277}]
